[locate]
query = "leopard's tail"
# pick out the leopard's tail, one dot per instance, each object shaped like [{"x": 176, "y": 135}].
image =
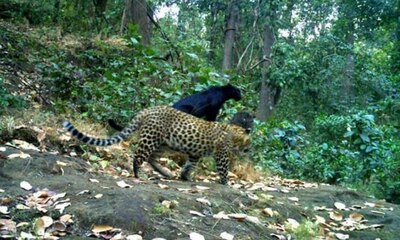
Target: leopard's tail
[{"x": 120, "y": 136}]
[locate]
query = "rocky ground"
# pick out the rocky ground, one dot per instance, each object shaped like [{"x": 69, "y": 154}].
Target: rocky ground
[{"x": 47, "y": 193}]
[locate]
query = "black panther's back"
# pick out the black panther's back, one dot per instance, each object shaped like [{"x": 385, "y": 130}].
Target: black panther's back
[{"x": 206, "y": 104}]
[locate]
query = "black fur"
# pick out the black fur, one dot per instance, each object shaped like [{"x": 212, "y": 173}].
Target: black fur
[
  {"x": 205, "y": 104},
  {"x": 244, "y": 120}
]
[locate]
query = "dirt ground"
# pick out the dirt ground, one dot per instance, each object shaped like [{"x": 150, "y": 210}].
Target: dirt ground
[{"x": 171, "y": 209}]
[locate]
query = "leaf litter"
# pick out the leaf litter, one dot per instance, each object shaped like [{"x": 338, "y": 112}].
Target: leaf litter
[{"x": 339, "y": 218}]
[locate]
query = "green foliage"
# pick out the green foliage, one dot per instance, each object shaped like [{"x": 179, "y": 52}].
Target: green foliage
[
  {"x": 8, "y": 100},
  {"x": 285, "y": 143},
  {"x": 306, "y": 230},
  {"x": 342, "y": 149}
]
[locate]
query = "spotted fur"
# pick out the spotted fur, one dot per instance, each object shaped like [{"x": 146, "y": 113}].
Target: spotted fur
[{"x": 179, "y": 131}]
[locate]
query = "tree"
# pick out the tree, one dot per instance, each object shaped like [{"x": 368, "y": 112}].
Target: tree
[
  {"x": 136, "y": 12},
  {"x": 267, "y": 92},
  {"x": 231, "y": 28}
]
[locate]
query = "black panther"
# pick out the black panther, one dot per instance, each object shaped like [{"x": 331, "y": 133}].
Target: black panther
[{"x": 205, "y": 104}]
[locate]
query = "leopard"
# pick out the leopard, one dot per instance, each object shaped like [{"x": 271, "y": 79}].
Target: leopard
[{"x": 164, "y": 125}]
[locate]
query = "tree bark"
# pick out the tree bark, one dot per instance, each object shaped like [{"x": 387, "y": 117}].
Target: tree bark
[
  {"x": 347, "y": 95},
  {"x": 231, "y": 27},
  {"x": 100, "y": 7},
  {"x": 268, "y": 94},
  {"x": 56, "y": 16},
  {"x": 136, "y": 11}
]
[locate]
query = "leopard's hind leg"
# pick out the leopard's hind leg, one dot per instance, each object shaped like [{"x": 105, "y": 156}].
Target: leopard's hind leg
[{"x": 148, "y": 143}]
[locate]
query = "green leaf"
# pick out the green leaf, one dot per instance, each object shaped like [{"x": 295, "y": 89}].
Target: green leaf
[
  {"x": 104, "y": 163},
  {"x": 348, "y": 134},
  {"x": 134, "y": 41},
  {"x": 364, "y": 137},
  {"x": 193, "y": 56},
  {"x": 369, "y": 117},
  {"x": 93, "y": 158}
]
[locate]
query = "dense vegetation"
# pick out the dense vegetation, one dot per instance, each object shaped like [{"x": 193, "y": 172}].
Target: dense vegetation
[{"x": 333, "y": 71}]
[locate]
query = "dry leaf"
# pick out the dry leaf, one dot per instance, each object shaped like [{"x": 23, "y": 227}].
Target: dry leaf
[
  {"x": 8, "y": 225},
  {"x": 221, "y": 215},
  {"x": 378, "y": 212},
  {"x": 196, "y": 213},
  {"x": 168, "y": 204},
  {"x": 119, "y": 236},
  {"x": 25, "y": 185},
  {"x": 266, "y": 196},
  {"x": 59, "y": 226},
  {"x": 270, "y": 189},
  {"x": 83, "y": 192},
  {"x": 163, "y": 186},
  {"x": 23, "y": 224},
  {"x": 18, "y": 155},
  {"x": 47, "y": 221},
  {"x": 62, "y": 164},
  {"x": 93, "y": 180},
  {"x": 62, "y": 206},
  {"x": 376, "y": 226},
  {"x": 342, "y": 236},
  {"x": 134, "y": 237},
  {"x": 238, "y": 216},
  {"x": 25, "y": 145},
  {"x": 97, "y": 196},
  {"x": 337, "y": 216},
  {"x": 21, "y": 207},
  {"x": 4, "y": 210},
  {"x": 24, "y": 235},
  {"x": 123, "y": 184},
  {"x": 321, "y": 208},
  {"x": 202, "y": 188},
  {"x": 319, "y": 219},
  {"x": 368, "y": 204},
  {"x": 226, "y": 236},
  {"x": 184, "y": 189},
  {"x": 280, "y": 237},
  {"x": 253, "y": 196},
  {"x": 101, "y": 228},
  {"x": 66, "y": 218},
  {"x": 292, "y": 223},
  {"x": 196, "y": 236},
  {"x": 339, "y": 205},
  {"x": 268, "y": 212},
  {"x": 253, "y": 220},
  {"x": 256, "y": 186},
  {"x": 204, "y": 201},
  {"x": 356, "y": 216},
  {"x": 39, "y": 227}
]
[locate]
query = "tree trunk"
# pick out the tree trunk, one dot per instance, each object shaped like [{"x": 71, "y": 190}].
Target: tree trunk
[
  {"x": 213, "y": 32},
  {"x": 56, "y": 16},
  {"x": 136, "y": 11},
  {"x": 347, "y": 95},
  {"x": 268, "y": 94},
  {"x": 100, "y": 7},
  {"x": 231, "y": 25}
]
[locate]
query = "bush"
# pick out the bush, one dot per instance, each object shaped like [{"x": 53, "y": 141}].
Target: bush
[
  {"x": 7, "y": 100},
  {"x": 351, "y": 150}
]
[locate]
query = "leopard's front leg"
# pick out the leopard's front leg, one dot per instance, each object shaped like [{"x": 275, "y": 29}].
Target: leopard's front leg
[{"x": 222, "y": 160}]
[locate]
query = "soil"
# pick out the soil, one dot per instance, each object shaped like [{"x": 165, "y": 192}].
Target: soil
[{"x": 137, "y": 210}]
